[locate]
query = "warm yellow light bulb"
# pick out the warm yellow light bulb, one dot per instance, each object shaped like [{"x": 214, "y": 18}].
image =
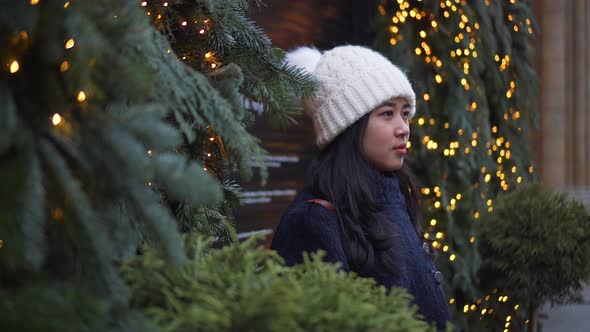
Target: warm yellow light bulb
[
  {"x": 438, "y": 78},
  {"x": 64, "y": 66},
  {"x": 67, "y": 4},
  {"x": 81, "y": 96},
  {"x": 426, "y": 97},
  {"x": 70, "y": 43},
  {"x": 34, "y": 2},
  {"x": 452, "y": 257},
  {"x": 14, "y": 67},
  {"x": 55, "y": 119}
]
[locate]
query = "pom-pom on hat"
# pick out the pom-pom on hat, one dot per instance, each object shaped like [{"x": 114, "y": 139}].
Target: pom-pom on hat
[{"x": 353, "y": 80}]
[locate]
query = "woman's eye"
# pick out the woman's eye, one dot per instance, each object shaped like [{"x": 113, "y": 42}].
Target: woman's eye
[
  {"x": 387, "y": 113},
  {"x": 407, "y": 114}
]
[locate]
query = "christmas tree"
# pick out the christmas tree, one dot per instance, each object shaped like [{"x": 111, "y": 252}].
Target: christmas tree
[
  {"x": 470, "y": 63},
  {"x": 119, "y": 124}
]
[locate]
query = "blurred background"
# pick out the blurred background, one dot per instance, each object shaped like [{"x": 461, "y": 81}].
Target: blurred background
[{"x": 559, "y": 149}]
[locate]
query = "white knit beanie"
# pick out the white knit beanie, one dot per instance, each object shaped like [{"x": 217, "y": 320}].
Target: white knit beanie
[{"x": 353, "y": 80}]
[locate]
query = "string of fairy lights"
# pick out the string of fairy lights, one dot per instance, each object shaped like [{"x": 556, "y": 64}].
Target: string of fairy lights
[
  {"x": 197, "y": 28},
  {"x": 208, "y": 59},
  {"x": 461, "y": 56}
]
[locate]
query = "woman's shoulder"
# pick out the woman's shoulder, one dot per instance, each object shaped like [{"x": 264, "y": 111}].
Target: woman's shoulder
[
  {"x": 307, "y": 227},
  {"x": 303, "y": 212}
]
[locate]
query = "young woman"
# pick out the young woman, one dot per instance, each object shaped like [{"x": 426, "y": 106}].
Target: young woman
[{"x": 361, "y": 206}]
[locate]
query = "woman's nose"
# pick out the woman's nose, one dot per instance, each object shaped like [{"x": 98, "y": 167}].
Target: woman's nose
[{"x": 402, "y": 129}]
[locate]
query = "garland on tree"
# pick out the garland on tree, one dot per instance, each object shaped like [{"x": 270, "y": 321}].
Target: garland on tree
[
  {"x": 470, "y": 63},
  {"x": 226, "y": 60}
]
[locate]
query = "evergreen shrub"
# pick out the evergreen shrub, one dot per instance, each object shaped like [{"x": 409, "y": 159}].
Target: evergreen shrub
[
  {"x": 242, "y": 287},
  {"x": 535, "y": 248}
]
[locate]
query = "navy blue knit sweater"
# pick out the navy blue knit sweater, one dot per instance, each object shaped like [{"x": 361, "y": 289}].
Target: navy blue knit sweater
[{"x": 307, "y": 226}]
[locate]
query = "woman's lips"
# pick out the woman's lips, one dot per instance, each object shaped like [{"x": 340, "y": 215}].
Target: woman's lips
[{"x": 401, "y": 149}]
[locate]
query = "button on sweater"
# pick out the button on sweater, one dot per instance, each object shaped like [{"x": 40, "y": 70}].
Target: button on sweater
[{"x": 308, "y": 227}]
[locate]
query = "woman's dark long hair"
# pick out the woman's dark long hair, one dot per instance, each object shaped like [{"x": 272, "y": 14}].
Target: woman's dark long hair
[{"x": 342, "y": 175}]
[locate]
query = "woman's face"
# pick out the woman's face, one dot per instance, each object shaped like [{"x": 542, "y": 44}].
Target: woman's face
[{"x": 387, "y": 134}]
